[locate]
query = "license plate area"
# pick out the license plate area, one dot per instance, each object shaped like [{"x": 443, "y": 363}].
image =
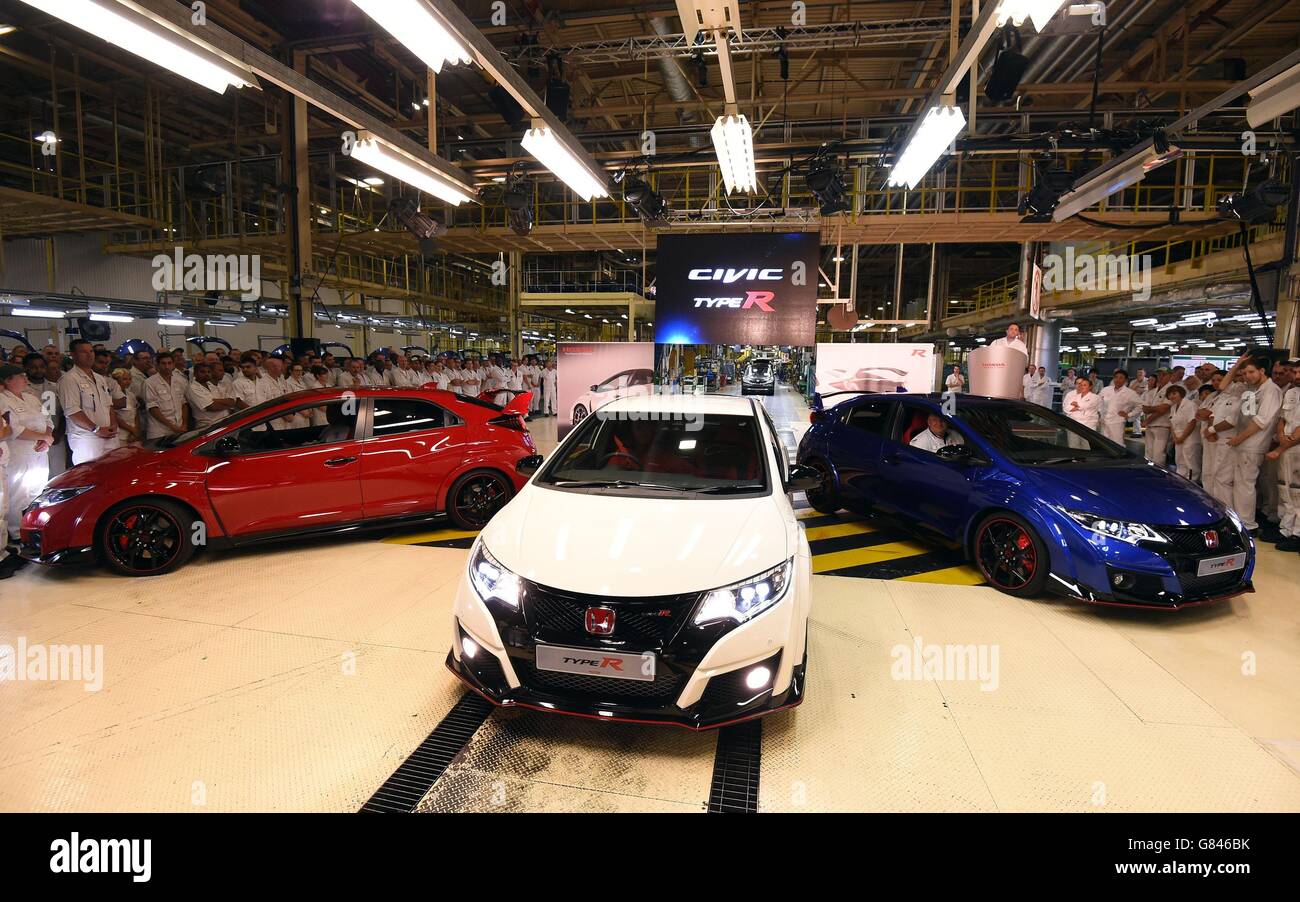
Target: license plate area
[
  {"x": 614, "y": 665},
  {"x": 1213, "y": 566}
]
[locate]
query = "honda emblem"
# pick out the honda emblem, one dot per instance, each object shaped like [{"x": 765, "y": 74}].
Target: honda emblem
[
  {"x": 600, "y": 621},
  {"x": 1211, "y": 539}
]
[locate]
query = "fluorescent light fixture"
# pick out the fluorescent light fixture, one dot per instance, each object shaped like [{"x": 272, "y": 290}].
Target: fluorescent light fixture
[
  {"x": 1274, "y": 97},
  {"x": 542, "y": 143},
  {"x": 136, "y": 32},
  {"x": 422, "y": 33},
  {"x": 939, "y": 128},
  {"x": 1144, "y": 322},
  {"x": 111, "y": 318},
  {"x": 7, "y": 29},
  {"x": 1112, "y": 178},
  {"x": 175, "y": 321},
  {"x": 36, "y": 312},
  {"x": 373, "y": 152},
  {"x": 733, "y": 141},
  {"x": 1099, "y": 335},
  {"x": 1068, "y": 329},
  {"x": 1038, "y": 11}
]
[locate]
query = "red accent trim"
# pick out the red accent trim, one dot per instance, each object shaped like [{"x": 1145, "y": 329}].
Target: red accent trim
[
  {"x": 655, "y": 723},
  {"x": 1155, "y": 607}
]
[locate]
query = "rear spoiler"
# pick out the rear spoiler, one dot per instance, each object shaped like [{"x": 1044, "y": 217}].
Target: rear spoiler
[{"x": 519, "y": 403}]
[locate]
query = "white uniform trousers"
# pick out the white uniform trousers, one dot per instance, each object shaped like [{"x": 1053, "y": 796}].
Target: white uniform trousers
[
  {"x": 1157, "y": 444},
  {"x": 1268, "y": 478},
  {"x": 1288, "y": 492},
  {"x": 1245, "y": 474},
  {"x": 27, "y": 473},
  {"x": 88, "y": 447}
]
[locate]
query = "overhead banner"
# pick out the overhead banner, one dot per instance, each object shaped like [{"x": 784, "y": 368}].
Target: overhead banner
[
  {"x": 737, "y": 289},
  {"x": 872, "y": 368},
  {"x": 591, "y": 374}
]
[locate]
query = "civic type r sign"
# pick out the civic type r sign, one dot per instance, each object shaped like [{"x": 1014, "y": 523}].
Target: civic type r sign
[{"x": 755, "y": 289}]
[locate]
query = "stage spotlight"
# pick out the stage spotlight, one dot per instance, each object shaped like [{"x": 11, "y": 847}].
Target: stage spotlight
[
  {"x": 650, "y": 206},
  {"x": 1008, "y": 68},
  {"x": 1051, "y": 180},
  {"x": 423, "y": 226},
  {"x": 518, "y": 200},
  {"x": 1256, "y": 206},
  {"x": 826, "y": 181}
]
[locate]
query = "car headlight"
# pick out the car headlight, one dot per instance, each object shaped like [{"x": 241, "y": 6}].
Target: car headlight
[
  {"x": 1132, "y": 533},
  {"x": 492, "y": 581},
  {"x": 746, "y": 599},
  {"x": 51, "y": 497}
]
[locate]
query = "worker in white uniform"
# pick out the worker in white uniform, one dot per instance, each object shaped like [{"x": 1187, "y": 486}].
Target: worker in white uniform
[
  {"x": 1141, "y": 384},
  {"x": 1261, "y": 405},
  {"x": 1011, "y": 340},
  {"x": 1118, "y": 403},
  {"x": 494, "y": 381},
  {"x": 533, "y": 382},
  {"x": 1082, "y": 405},
  {"x": 1287, "y": 455},
  {"x": 472, "y": 379},
  {"x": 1036, "y": 385},
  {"x": 164, "y": 400},
  {"x": 550, "y": 384},
  {"x": 31, "y": 433},
  {"x": 208, "y": 400},
  {"x": 936, "y": 435},
  {"x": 1268, "y": 473},
  {"x": 955, "y": 382},
  {"x": 1216, "y": 466},
  {"x": 1155, "y": 420},
  {"x": 1184, "y": 432},
  {"x": 128, "y": 414},
  {"x": 87, "y": 402}
]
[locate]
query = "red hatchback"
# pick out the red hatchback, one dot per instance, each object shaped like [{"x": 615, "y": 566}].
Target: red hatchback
[{"x": 320, "y": 461}]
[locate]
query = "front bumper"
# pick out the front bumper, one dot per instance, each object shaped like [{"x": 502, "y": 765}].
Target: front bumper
[
  {"x": 32, "y": 547},
  {"x": 1162, "y": 577},
  {"x": 758, "y": 388},
  {"x": 700, "y": 671}
]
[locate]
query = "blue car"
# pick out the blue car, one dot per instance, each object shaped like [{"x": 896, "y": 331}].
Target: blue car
[{"x": 1036, "y": 500}]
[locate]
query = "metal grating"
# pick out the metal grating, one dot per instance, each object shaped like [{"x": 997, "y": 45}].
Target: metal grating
[
  {"x": 415, "y": 777},
  {"x": 735, "y": 769}
]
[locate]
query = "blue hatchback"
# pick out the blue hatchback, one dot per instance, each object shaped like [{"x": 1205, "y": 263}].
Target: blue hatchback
[{"x": 1036, "y": 500}]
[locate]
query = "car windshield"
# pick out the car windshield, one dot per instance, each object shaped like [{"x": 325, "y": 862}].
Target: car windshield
[
  {"x": 760, "y": 367},
  {"x": 1035, "y": 436},
  {"x": 637, "y": 452}
]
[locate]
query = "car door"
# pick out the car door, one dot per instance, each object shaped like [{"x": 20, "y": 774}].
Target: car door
[
  {"x": 288, "y": 480},
  {"x": 413, "y": 448},
  {"x": 920, "y": 485},
  {"x": 856, "y": 446}
]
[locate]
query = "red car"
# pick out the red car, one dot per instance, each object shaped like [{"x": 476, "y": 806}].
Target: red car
[{"x": 332, "y": 461}]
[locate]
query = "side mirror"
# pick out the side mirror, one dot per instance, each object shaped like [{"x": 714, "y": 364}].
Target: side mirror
[
  {"x": 802, "y": 479},
  {"x": 226, "y": 446},
  {"x": 956, "y": 454},
  {"x": 527, "y": 466},
  {"x": 595, "y": 388}
]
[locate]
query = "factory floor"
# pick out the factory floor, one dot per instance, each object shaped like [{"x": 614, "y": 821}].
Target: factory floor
[{"x": 303, "y": 677}]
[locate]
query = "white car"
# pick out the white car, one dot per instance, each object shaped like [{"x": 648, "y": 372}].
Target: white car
[
  {"x": 652, "y": 570},
  {"x": 627, "y": 384}
]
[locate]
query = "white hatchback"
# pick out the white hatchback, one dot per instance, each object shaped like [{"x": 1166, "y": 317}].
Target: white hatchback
[{"x": 651, "y": 570}]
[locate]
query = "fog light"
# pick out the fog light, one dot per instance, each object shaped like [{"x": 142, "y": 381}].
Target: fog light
[
  {"x": 758, "y": 678},
  {"x": 1122, "y": 580},
  {"x": 468, "y": 646}
]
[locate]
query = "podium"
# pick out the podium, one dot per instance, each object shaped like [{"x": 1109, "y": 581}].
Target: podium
[{"x": 998, "y": 372}]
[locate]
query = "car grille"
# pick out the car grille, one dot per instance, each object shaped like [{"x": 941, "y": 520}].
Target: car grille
[
  {"x": 31, "y": 544},
  {"x": 1197, "y": 586},
  {"x": 662, "y": 690},
  {"x": 639, "y": 622},
  {"x": 1191, "y": 539}
]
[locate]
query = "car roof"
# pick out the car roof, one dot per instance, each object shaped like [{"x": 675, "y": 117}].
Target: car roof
[{"x": 721, "y": 404}]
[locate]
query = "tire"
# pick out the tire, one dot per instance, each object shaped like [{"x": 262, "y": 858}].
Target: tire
[
  {"x": 1010, "y": 555},
  {"x": 146, "y": 537},
  {"x": 824, "y": 500},
  {"x": 579, "y": 414},
  {"x": 475, "y": 497}
]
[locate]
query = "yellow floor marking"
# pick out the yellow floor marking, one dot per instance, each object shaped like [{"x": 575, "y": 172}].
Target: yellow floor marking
[
  {"x": 809, "y": 514},
  {"x": 836, "y": 530},
  {"x": 952, "y": 576},
  {"x": 442, "y": 535},
  {"x": 837, "y": 560}
]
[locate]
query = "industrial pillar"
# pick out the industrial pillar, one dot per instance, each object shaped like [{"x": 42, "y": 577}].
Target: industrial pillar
[
  {"x": 1046, "y": 348},
  {"x": 515, "y": 303},
  {"x": 298, "y": 222}
]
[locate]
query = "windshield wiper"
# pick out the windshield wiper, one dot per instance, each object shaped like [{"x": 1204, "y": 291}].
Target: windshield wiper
[
  {"x": 613, "y": 484},
  {"x": 727, "y": 489}
]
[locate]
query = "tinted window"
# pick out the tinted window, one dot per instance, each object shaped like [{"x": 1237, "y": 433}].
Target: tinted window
[
  {"x": 871, "y": 417},
  {"x": 1035, "y": 435},
  {"x": 705, "y": 452},
  {"x": 395, "y": 416},
  {"x": 329, "y": 423}
]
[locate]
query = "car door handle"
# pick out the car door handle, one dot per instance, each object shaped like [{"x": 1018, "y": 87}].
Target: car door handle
[{"x": 340, "y": 461}]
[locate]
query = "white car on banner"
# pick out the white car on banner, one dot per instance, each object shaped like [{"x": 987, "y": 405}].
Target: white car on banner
[
  {"x": 652, "y": 570},
  {"x": 627, "y": 384},
  {"x": 873, "y": 368}
]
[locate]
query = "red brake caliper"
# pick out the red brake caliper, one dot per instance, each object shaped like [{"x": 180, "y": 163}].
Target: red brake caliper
[{"x": 123, "y": 540}]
